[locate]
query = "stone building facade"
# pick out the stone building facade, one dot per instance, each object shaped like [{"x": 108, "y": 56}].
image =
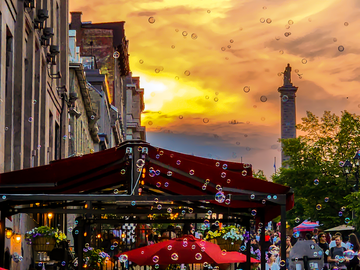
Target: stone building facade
[
  {"x": 288, "y": 108},
  {"x": 34, "y": 83},
  {"x": 98, "y": 42},
  {"x": 134, "y": 96},
  {"x": 33, "y": 75}
]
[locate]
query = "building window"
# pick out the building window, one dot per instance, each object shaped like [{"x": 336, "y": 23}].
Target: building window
[
  {"x": 57, "y": 141},
  {"x": 51, "y": 136}
]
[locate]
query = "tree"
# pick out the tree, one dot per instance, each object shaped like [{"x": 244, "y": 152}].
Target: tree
[
  {"x": 259, "y": 174},
  {"x": 314, "y": 168}
]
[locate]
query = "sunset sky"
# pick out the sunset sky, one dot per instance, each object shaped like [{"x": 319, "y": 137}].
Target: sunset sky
[{"x": 231, "y": 44}]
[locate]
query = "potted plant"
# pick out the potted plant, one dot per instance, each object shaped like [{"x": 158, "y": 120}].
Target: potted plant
[
  {"x": 44, "y": 238},
  {"x": 94, "y": 258},
  {"x": 228, "y": 238}
]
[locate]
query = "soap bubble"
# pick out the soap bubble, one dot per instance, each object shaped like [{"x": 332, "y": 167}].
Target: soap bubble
[
  {"x": 246, "y": 89},
  {"x": 220, "y": 197},
  {"x": 156, "y": 259},
  {"x": 151, "y": 20},
  {"x": 174, "y": 256},
  {"x": 349, "y": 254},
  {"x": 194, "y": 36},
  {"x": 341, "y": 48},
  {"x": 316, "y": 182},
  {"x": 318, "y": 207},
  {"x": 263, "y": 98}
]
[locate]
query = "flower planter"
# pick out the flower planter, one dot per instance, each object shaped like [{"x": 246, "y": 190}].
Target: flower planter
[
  {"x": 43, "y": 244},
  {"x": 229, "y": 245}
]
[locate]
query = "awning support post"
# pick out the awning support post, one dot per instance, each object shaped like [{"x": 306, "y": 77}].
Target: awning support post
[
  {"x": 247, "y": 238},
  {"x": 283, "y": 235},
  {"x": 81, "y": 244},
  {"x": 2, "y": 238},
  {"x": 262, "y": 239}
]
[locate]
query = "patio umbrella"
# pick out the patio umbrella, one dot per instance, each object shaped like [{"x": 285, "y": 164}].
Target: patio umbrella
[
  {"x": 306, "y": 226},
  {"x": 341, "y": 228},
  {"x": 186, "y": 249}
]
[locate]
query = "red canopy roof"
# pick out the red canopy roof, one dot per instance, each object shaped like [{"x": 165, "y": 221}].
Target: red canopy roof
[{"x": 166, "y": 171}]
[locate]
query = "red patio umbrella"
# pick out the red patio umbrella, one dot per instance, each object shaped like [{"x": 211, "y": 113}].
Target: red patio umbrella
[{"x": 186, "y": 249}]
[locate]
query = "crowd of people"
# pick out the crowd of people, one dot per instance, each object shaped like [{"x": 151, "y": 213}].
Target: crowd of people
[{"x": 338, "y": 253}]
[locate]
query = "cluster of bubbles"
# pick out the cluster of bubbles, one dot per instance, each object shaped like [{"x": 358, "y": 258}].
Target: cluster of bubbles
[{"x": 17, "y": 258}]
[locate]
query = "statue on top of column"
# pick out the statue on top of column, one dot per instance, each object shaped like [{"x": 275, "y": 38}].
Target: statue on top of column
[{"x": 287, "y": 76}]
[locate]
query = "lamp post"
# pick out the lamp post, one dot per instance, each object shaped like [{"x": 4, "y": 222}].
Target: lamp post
[{"x": 347, "y": 169}]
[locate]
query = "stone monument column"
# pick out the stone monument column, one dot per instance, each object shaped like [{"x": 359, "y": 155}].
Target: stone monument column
[{"x": 288, "y": 109}]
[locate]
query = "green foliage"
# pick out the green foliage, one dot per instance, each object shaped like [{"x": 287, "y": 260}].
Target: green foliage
[
  {"x": 94, "y": 258},
  {"x": 259, "y": 174},
  {"x": 327, "y": 142}
]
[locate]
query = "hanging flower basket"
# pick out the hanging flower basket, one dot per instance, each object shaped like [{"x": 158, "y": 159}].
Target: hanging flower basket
[
  {"x": 229, "y": 245},
  {"x": 229, "y": 238},
  {"x": 43, "y": 244},
  {"x": 43, "y": 238}
]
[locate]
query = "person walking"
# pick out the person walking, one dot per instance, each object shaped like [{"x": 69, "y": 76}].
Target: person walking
[
  {"x": 271, "y": 263},
  {"x": 325, "y": 247},
  {"x": 288, "y": 248},
  {"x": 354, "y": 243},
  {"x": 336, "y": 255},
  {"x": 333, "y": 244}
]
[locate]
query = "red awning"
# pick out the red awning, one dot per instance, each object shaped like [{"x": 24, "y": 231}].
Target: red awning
[{"x": 166, "y": 172}]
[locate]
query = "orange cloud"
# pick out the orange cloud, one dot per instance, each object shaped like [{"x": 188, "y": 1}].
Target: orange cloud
[{"x": 233, "y": 48}]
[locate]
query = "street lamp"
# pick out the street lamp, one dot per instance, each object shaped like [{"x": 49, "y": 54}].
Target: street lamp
[
  {"x": 348, "y": 166},
  {"x": 357, "y": 165}
]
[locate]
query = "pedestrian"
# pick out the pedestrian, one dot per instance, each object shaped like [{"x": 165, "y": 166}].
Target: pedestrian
[
  {"x": 333, "y": 244},
  {"x": 325, "y": 247},
  {"x": 271, "y": 262},
  {"x": 288, "y": 248},
  {"x": 355, "y": 246},
  {"x": 150, "y": 239},
  {"x": 315, "y": 234},
  {"x": 336, "y": 255}
]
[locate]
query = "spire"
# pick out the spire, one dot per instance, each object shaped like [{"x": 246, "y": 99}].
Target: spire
[{"x": 287, "y": 76}]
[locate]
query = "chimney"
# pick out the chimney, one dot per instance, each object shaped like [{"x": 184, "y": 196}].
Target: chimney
[
  {"x": 75, "y": 20},
  {"x": 76, "y": 25}
]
